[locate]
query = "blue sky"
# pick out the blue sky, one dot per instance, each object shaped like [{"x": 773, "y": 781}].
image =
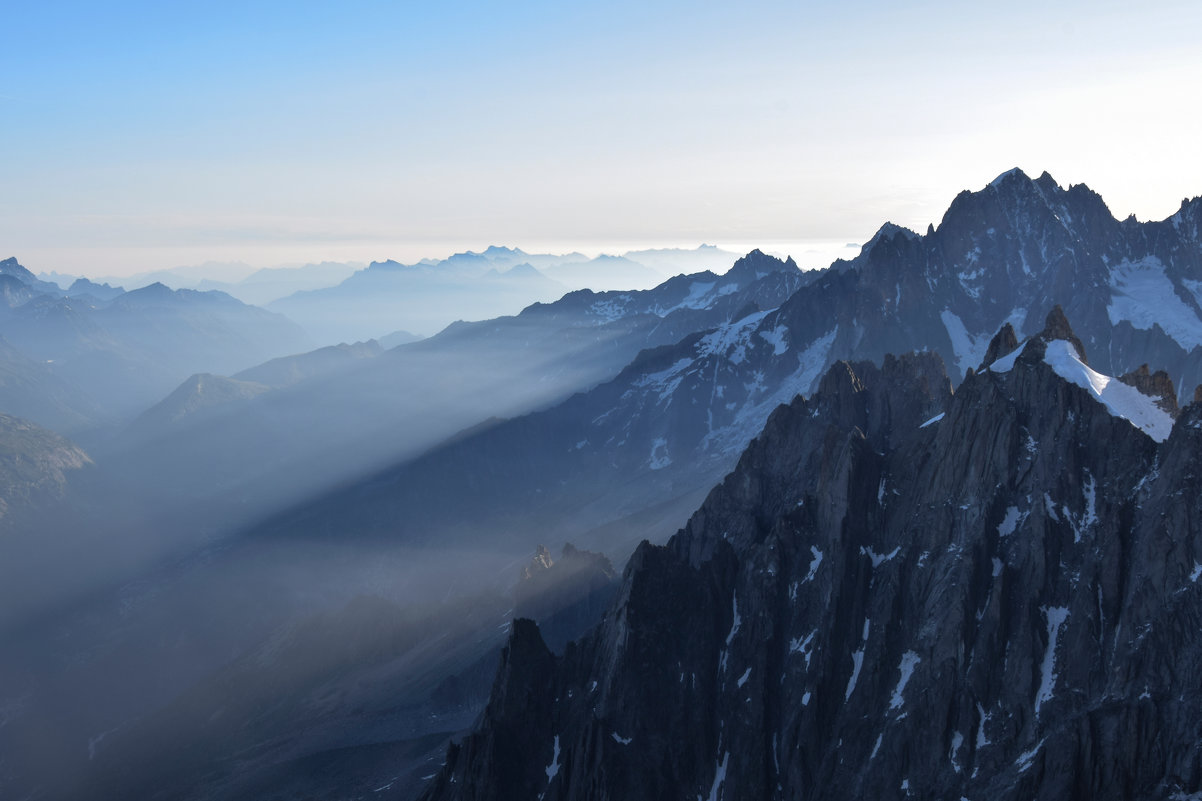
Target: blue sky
[{"x": 147, "y": 135}]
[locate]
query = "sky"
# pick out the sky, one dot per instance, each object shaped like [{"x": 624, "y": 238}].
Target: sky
[{"x": 136, "y": 136}]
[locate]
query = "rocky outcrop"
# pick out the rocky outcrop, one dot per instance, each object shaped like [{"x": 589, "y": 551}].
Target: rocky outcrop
[
  {"x": 1002, "y": 344},
  {"x": 568, "y": 596},
  {"x": 519, "y": 711},
  {"x": 539, "y": 565},
  {"x": 1057, "y": 327},
  {"x": 899, "y": 592},
  {"x": 1157, "y": 385}
]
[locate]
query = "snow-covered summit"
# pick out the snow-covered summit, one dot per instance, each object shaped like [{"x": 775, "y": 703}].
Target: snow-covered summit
[
  {"x": 1062, "y": 352},
  {"x": 1120, "y": 399}
]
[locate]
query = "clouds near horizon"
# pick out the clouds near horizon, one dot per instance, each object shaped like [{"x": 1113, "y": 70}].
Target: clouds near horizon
[{"x": 135, "y": 126}]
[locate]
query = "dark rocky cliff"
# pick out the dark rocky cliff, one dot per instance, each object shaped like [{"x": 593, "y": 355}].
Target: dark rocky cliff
[{"x": 899, "y": 592}]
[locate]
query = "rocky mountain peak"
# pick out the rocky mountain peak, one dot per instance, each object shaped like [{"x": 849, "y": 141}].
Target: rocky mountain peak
[
  {"x": 1145, "y": 400},
  {"x": 1056, "y": 327},
  {"x": 882, "y": 602},
  {"x": 1188, "y": 219},
  {"x": 840, "y": 384},
  {"x": 12, "y": 267},
  {"x": 1004, "y": 343},
  {"x": 519, "y": 710},
  {"x": 757, "y": 263},
  {"x": 1015, "y": 205},
  {"x": 501, "y": 251},
  {"x": 887, "y": 232},
  {"x": 540, "y": 563},
  {"x": 1014, "y": 174},
  {"x": 1016, "y": 185}
]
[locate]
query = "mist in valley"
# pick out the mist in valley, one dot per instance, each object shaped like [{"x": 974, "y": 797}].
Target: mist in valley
[
  {"x": 297, "y": 578},
  {"x": 306, "y": 565},
  {"x": 337, "y": 343}
]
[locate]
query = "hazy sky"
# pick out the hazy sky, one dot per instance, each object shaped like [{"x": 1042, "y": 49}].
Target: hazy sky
[{"x": 140, "y": 135}]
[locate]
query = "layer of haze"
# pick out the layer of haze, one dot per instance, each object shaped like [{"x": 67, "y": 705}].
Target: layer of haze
[{"x": 144, "y": 135}]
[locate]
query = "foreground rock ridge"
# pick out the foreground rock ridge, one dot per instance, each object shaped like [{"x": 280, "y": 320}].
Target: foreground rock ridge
[{"x": 899, "y": 592}]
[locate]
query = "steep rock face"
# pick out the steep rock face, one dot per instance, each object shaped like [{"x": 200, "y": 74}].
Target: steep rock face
[
  {"x": 1157, "y": 385},
  {"x": 1002, "y": 255},
  {"x": 519, "y": 711},
  {"x": 999, "y": 601},
  {"x": 1004, "y": 343}
]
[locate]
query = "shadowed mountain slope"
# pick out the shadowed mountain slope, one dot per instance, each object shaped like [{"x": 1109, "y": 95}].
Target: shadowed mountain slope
[{"x": 899, "y": 592}]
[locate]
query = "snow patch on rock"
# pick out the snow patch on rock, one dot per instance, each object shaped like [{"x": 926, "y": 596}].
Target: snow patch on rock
[
  {"x": 659, "y": 454},
  {"x": 1120, "y": 399},
  {"x": 1143, "y": 295},
  {"x": 731, "y": 339},
  {"x": 982, "y": 739},
  {"x": 908, "y": 661},
  {"x": 857, "y": 662},
  {"x": 553, "y": 768},
  {"x": 969, "y": 349},
  {"x": 814, "y": 563},
  {"x": 719, "y": 778},
  {"x": 1010, "y": 522},
  {"x": 1055, "y": 615},
  {"x": 879, "y": 559},
  {"x": 776, "y": 338}
]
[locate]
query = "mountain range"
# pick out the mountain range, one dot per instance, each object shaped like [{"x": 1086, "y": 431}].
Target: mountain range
[
  {"x": 899, "y": 592},
  {"x": 633, "y": 456},
  {"x": 347, "y": 301},
  {"x": 89, "y": 356},
  {"x": 104, "y": 671},
  {"x": 362, "y": 409},
  {"x": 932, "y": 541},
  {"x": 432, "y": 294}
]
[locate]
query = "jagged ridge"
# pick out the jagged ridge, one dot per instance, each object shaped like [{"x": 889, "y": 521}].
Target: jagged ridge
[{"x": 999, "y": 601}]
